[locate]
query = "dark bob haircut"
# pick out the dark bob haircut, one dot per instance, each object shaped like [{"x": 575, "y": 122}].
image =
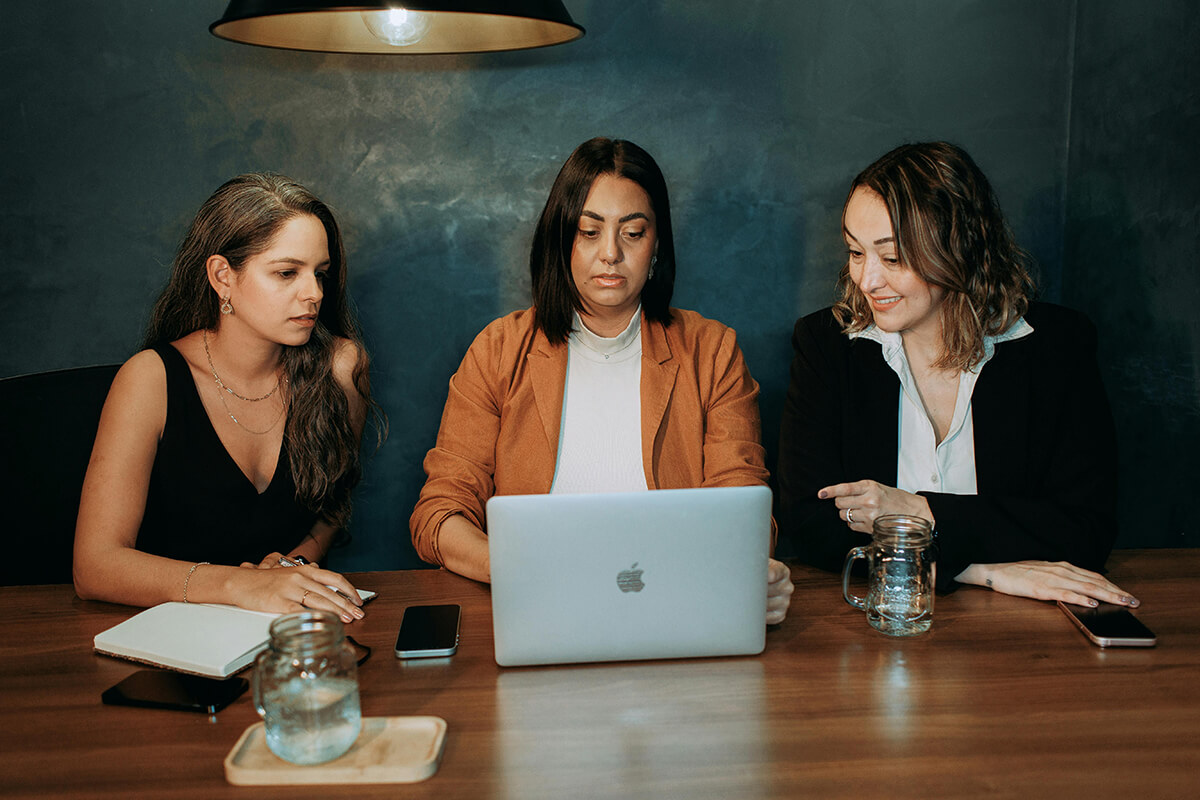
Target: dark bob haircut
[{"x": 555, "y": 295}]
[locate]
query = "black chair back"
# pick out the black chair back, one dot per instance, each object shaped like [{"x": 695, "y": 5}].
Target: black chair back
[{"x": 47, "y": 427}]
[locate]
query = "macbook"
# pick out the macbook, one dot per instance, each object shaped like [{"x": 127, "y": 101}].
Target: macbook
[{"x": 672, "y": 573}]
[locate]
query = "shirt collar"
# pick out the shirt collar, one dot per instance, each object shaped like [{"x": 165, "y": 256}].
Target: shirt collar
[{"x": 893, "y": 346}]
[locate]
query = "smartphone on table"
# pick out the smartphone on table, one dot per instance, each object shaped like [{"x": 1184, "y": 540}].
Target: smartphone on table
[
  {"x": 159, "y": 688},
  {"x": 1109, "y": 625},
  {"x": 428, "y": 631}
]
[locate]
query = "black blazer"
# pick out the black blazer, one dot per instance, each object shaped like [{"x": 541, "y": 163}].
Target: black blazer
[{"x": 1045, "y": 447}]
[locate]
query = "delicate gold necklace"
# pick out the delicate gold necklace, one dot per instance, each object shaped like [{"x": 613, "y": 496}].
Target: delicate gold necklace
[
  {"x": 221, "y": 383},
  {"x": 268, "y": 429},
  {"x": 581, "y": 339}
]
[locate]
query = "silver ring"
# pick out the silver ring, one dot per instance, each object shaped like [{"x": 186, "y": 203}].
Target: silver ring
[
  {"x": 304, "y": 596},
  {"x": 850, "y": 515}
]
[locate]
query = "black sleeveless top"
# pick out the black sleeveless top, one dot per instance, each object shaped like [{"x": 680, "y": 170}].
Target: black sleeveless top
[{"x": 200, "y": 506}]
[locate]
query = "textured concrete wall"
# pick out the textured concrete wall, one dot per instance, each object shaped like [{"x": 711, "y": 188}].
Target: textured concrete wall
[
  {"x": 121, "y": 117},
  {"x": 1132, "y": 240}
]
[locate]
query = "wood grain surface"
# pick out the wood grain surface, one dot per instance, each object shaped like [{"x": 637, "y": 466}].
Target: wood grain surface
[{"x": 1002, "y": 698}]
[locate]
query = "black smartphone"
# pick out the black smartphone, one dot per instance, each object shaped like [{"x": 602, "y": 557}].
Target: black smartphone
[
  {"x": 1109, "y": 625},
  {"x": 428, "y": 632},
  {"x": 156, "y": 688}
]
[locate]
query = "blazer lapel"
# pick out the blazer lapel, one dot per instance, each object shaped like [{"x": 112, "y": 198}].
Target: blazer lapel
[
  {"x": 657, "y": 384},
  {"x": 873, "y": 416},
  {"x": 548, "y": 375},
  {"x": 1001, "y": 415}
]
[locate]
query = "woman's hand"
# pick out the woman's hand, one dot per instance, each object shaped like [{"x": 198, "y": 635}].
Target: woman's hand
[
  {"x": 269, "y": 586},
  {"x": 859, "y": 503},
  {"x": 779, "y": 591},
  {"x": 1048, "y": 580}
]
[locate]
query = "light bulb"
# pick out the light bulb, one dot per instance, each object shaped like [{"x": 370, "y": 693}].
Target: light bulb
[{"x": 398, "y": 27}]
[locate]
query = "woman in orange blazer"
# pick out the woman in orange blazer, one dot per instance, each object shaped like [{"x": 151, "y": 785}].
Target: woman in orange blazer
[{"x": 601, "y": 385}]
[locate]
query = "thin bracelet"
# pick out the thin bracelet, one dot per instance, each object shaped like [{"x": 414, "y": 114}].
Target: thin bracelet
[{"x": 188, "y": 579}]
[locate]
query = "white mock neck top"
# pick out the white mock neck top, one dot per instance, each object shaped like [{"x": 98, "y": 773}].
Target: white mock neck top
[{"x": 600, "y": 439}]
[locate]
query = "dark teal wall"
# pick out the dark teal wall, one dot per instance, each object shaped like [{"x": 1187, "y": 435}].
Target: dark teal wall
[
  {"x": 1132, "y": 244},
  {"x": 121, "y": 117}
]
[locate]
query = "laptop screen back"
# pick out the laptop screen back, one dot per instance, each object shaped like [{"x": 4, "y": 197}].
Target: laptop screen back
[{"x": 604, "y": 577}]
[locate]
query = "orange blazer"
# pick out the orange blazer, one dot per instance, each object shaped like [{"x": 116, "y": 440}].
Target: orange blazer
[{"x": 499, "y": 430}]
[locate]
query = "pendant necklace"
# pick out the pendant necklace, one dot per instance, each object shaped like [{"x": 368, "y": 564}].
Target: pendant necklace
[
  {"x": 580, "y": 337},
  {"x": 221, "y": 395}
]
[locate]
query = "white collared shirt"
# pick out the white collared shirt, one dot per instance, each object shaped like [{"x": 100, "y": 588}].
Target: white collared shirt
[
  {"x": 922, "y": 464},
  {"x": 600, "y": 436}
]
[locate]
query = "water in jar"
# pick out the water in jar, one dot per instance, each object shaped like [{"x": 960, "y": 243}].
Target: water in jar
[{"x": 310, "y": 721}]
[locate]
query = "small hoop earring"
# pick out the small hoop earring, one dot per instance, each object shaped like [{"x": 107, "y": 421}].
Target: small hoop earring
[{"x": 226, "y": 307}]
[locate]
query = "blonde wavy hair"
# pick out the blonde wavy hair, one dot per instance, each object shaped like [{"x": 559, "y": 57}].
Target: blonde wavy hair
[{"x": 950, "y": 231}]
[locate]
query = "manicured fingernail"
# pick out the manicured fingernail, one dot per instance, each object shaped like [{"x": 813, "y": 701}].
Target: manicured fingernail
[
  {"x": 1092, "y": 603},
  {"x": 1133, "y": 601},
  {"x": 822, "y": 495}
]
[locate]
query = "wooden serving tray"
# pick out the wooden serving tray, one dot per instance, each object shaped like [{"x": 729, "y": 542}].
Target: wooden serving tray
[{"x": 388, "y": 750}]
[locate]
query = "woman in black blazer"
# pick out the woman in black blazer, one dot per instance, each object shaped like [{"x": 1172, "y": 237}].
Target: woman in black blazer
[{"x": 935, "y": 387}]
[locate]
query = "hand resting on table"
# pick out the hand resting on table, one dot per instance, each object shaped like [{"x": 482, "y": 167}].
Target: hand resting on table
[{"x": 1048, "y": 580}]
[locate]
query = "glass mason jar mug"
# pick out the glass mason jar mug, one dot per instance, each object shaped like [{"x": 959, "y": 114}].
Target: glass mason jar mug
[
  {"x": 901, "y": 573},
  {"x": 306, "y": 688}
]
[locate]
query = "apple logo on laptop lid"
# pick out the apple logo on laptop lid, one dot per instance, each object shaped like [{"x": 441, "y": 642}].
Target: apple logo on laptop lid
[{"x": 630, "y": 580}]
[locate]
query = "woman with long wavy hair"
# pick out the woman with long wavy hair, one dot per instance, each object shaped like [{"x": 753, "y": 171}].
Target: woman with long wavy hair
[
  {"x": 935, "y": 387},
  {"x": 233, "y": 437}
]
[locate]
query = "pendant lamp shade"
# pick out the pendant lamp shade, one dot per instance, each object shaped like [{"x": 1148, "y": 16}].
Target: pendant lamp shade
[{"x": 467, "y": 26}]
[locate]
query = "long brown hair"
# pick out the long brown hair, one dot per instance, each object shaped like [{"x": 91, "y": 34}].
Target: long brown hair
[
  {"x": 950, "y": 231},
  {"x": 239, "y": 221}
]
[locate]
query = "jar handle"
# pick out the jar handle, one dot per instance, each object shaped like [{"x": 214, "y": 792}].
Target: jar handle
[{"x": 854, "y": 600}]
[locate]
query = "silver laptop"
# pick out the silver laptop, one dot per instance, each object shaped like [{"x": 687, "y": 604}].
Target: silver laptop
[{"x": 673, "y": 573}]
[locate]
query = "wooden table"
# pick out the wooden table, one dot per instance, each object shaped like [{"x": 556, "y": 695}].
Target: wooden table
[{"x": 1002, "y": 698}]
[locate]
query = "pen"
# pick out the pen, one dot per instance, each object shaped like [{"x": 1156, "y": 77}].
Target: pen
[{"x": 284, "y": 561}]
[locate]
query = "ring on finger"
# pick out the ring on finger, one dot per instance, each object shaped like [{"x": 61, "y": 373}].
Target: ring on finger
[
  {"x": 850, "y": 515},
  {"x": 304, "y": 596}
]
